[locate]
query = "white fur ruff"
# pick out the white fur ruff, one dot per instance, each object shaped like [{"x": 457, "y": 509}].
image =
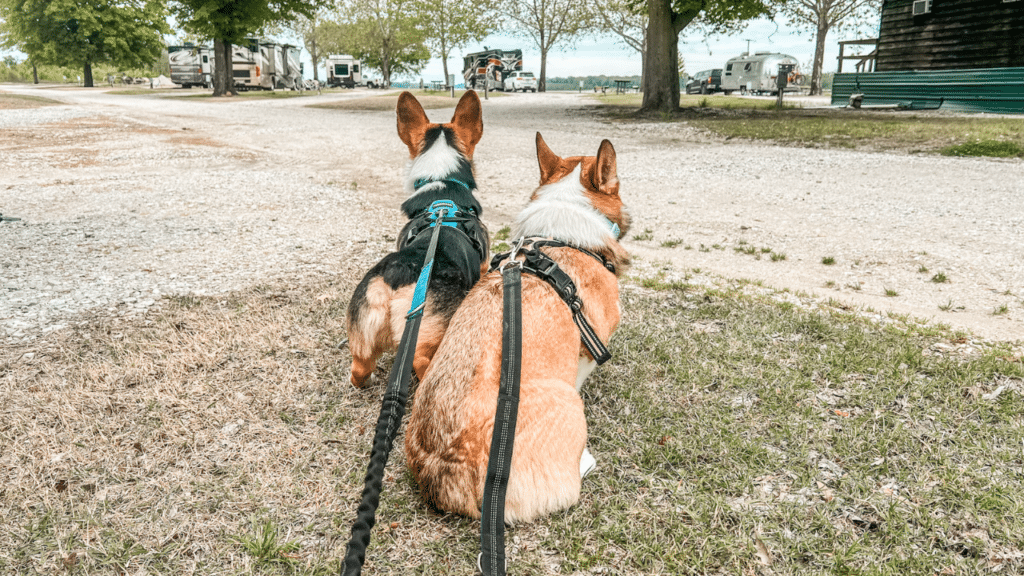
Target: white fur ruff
[
  {"x": 435, "y": 163},
  {"x": 562, "y": 210}
]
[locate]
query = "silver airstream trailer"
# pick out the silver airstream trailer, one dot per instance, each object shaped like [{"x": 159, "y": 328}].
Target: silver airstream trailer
[{"x": 757, "y": 73}]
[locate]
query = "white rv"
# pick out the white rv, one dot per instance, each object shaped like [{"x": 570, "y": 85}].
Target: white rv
[
  {"x": 191, "y": 65},
  {"x": 344, "y": 71},
  {"x": 758, "y": 73}
]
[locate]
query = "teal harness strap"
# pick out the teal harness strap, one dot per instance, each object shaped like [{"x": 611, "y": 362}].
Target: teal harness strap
[{"x": 438, "y": 210}]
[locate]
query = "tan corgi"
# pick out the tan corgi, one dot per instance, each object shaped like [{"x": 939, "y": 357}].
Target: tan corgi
[
  {"x": 440, "y": 168},
  {"x": 449, "y": 435}
]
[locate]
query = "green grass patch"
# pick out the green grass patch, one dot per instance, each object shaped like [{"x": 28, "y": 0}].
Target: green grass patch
[
  {"x": 993, "y": 148},
  {"x": 845, "y": 447}
]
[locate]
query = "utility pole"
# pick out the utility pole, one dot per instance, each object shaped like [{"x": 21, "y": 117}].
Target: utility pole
[{"x": 748, "y": 41}]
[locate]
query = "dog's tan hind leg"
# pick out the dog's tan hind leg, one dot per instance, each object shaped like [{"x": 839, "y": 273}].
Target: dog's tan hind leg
[{"x": 370, "y": 335}]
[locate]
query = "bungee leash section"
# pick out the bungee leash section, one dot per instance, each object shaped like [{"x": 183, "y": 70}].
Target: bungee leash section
[
  {"x": 492, "y": 560},
  {"x": 395, "y": 397}
]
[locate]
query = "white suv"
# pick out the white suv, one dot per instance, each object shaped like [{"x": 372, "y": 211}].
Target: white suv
[{"x": 521, "y": 81}]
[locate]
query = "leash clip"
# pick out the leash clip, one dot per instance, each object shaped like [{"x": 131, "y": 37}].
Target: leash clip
[{"x": 511, "y": 260}]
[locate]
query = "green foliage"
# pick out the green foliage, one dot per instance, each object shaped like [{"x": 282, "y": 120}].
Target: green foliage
[
  {"x": 80, "y": 33},
  {"x": 550, "y": 23},
  {"x": 387, "y": 35},
  {"x": 234, "y": 20},
  {"x": 452, "y": 24},
  {"x": 993, "y": 148},
  {"x": 14, "y": 71}
]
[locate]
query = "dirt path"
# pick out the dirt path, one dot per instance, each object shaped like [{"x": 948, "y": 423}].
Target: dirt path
[{"x": 128, "y": 198}]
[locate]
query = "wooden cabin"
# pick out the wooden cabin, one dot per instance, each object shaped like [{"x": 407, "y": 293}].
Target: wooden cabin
[{"x": 950, "y": 34}]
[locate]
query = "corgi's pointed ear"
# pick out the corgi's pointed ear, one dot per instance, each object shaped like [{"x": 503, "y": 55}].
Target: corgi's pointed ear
[
  {"x": 468, "y": 121},
  {"x": 605, "y": 176},
  {"x": 547, "y": 160},
  {"x": 412, "y": 122}
]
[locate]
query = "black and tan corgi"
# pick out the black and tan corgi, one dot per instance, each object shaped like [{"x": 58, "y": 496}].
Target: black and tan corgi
[
  {"x": 440, "y": 168},
  {"x": 448, "y": 440}
]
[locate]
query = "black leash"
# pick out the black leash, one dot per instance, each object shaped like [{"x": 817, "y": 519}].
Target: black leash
[
  {"x": 492, "y": 560},
  {"x": 393, "y": 407}
]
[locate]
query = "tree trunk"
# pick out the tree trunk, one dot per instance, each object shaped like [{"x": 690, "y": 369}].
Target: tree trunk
[
  {"x": 444, "y": 60},
  {"x": 223, "y": 71},
  {"x": 661, "y": 67},
  {"x": 35, "y": 74},
  {"x": 87, "y": 75},
  {"x": 314, "y": 55},
  {"x": 819, "y": 56},
  {"x": 542, "y": 82}
]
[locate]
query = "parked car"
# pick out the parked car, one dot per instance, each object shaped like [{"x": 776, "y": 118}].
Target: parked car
[
  {"x": 520, "y": 81},
  {"x": 705, "y": 82}
]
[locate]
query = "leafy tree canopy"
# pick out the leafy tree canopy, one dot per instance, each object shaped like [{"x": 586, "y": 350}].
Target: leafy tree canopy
[{"x": 124, "y": 33}]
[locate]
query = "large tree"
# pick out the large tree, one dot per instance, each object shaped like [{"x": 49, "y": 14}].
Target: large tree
[
  {"x": 321, "y": 36},
  {"x": 821, "y": 16},
  {"x": 80, "y": 33},
  {"x": 451, "y": 24},
  {"x": 550, "y": 23},
  {"x": 228, "y": 22},
  {"x": 667, "y": 18},
  {"x": 387, "y": 35}
]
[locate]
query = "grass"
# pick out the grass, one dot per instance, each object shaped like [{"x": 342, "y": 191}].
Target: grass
[
  {"x": 644, "y": 236},
  {"x": 716, "y": 102},
  {"x": 16, "y": 101},
  {"x": 429, "y": 99},
  {"x": 940, "y": 278},
  {"x": 728, "y": 428},
  {"x": 732, "y": 117},
  {"x": 992, "y": 148},
  {"x": 828, "y": 261},
  {"x": 891, "y": 293}
]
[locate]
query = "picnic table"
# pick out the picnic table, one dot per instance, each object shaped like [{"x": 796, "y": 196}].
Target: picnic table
[
  {"x": 623, "y": 86},
  {"x": 436, "y": 84}
]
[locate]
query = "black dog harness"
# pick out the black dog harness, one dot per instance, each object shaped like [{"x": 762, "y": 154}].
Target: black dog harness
[
  {"x": 492, "y": 560},
  {"x": 541, "y": 265}
]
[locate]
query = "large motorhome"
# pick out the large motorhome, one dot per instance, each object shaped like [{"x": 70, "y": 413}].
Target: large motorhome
[
  {"x": 344, "y": 71},
  {"x": 259, "y": 65},
  {"x": 488, "y": 69},
  {"x": 255, "y": 65},
  {"x": 191, "y": 65},
  {"x": 757, "y": 73}
]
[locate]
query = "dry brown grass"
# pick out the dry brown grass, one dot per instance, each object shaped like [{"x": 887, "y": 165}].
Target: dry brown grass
[
  {"x": 18, "y": 101},
  {"x": 174, "y": 432}
]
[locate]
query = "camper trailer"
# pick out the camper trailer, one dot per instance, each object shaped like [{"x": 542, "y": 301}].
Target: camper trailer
[
  {"x": 757, "y": 73},
  {"x": 344, "y": 71},
  {"x": 490, "y": 68},
  {"x": 191, "y": 65}
]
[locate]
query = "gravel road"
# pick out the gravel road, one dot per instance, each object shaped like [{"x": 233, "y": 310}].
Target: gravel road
[{"x": 126, "y": 199}]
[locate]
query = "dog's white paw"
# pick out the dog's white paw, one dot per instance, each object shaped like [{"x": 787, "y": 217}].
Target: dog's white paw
[{"x": 587, "y": 463}]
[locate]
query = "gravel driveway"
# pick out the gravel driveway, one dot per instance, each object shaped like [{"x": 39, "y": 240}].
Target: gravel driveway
[{"x": 126, "y": 199}]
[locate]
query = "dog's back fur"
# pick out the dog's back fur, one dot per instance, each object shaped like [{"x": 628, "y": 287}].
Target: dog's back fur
[
  {"x": 449, "y": 435},
  {"x": 440, "y": 168}
]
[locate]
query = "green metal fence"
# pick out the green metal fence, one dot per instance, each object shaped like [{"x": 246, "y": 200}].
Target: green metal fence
[{"x": 999, "y": 90}]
